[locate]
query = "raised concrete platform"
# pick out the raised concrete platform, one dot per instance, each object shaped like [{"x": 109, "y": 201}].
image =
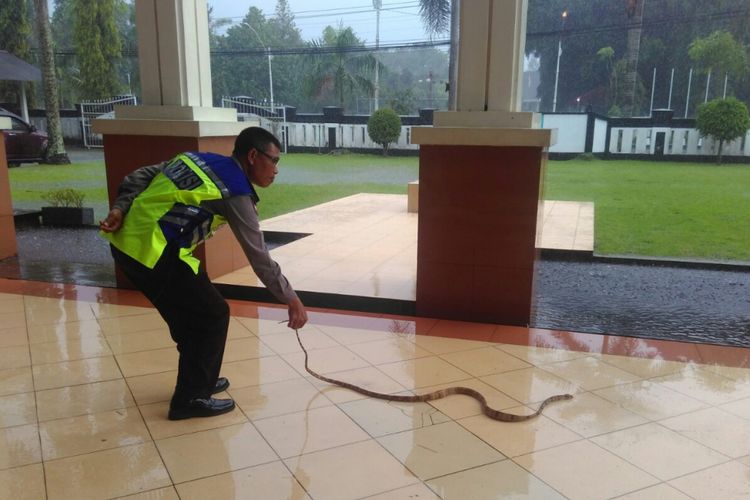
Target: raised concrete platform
[{"x": 366, "y": 244}]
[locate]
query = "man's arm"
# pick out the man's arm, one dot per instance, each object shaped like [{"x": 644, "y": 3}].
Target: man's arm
[
  {"x": 243, "y": 219},
  {"x": 131, "y": 186}
]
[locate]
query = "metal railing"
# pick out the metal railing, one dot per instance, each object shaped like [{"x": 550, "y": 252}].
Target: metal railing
[{"x": 100, "y": 108}]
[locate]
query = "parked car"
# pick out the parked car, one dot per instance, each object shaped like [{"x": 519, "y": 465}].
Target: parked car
[{"x": 23, "y": 142}]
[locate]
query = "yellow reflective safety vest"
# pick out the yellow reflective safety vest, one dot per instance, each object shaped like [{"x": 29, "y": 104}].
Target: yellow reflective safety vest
[{"x": 169, "y": 210}]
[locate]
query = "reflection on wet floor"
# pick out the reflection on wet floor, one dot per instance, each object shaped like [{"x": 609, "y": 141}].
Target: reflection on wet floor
[
  {"x": 75, "y": 255},
  {"x": 58, "y": 272}
]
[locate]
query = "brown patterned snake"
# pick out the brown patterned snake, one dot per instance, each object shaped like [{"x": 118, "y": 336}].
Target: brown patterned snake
[{"x": 431, "y": 396}]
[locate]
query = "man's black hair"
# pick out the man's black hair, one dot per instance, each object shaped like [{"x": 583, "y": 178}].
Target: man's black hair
[{"x": 253, "y": 138}]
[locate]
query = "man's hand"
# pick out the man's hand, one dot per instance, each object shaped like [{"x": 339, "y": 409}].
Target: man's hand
[
  {"x": 297, "y": 314},
  {"x": 113, "y": 222}
]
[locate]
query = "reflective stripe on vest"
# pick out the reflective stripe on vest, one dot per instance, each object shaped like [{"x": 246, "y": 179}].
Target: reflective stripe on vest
[{"x": 168, "y": 211}]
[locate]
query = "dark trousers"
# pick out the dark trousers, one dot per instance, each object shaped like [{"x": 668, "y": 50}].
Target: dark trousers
[{"x": 197, "y": 316}]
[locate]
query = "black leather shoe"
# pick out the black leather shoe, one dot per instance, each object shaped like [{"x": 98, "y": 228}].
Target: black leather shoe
[
  {"x": 201, "y": 407},
  {"x": 222, "y": 384}
]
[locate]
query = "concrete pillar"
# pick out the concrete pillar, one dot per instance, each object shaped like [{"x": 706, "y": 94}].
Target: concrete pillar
[
  {"x": 480, "y": 174},
  {"x": 173, "y": 52},
  {"x": 490, "y": 55}
]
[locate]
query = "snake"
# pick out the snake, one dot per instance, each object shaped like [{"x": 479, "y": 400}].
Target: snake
[{"x": 432, "y": 396}]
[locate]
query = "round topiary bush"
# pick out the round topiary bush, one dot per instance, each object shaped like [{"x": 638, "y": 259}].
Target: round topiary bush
[{"x": 384, "y": 127}]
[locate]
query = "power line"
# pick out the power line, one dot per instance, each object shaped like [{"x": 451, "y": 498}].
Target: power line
[
  {"x": 339, "y": 11},
  {"x": 309, "y": 50}
]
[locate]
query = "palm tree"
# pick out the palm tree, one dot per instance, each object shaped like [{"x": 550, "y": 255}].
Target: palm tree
[
  {"x": 335, "y": 70},
  {"x": 56, "y": 150},
  {"x": 635, "y": 26}
]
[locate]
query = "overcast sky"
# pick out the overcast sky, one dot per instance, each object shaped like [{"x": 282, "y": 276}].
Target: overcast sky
[{"x": 399, "y": 19}]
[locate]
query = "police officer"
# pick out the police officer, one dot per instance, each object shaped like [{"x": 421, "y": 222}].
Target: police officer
[{"x": 161, "y": 214}]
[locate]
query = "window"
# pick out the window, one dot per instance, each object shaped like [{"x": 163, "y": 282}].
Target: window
[
  {"x": 619, "y": 140},
  {"x": 19, "y": 125}
]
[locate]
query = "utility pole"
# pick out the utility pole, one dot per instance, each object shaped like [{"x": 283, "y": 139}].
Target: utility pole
[
  {"x": 377, "y": 4},
  {"x": 687, "y": 99},
  {"x": 559, "y": 53},
  {"x": 671, "y": 82}
]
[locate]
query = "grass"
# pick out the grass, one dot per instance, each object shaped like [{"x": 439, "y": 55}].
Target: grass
[
  {"x": 659, "y": 209},
  {"x": 683, "y": 210}
]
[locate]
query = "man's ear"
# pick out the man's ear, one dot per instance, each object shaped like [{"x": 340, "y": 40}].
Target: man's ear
[{"x": 252, "y": 153}]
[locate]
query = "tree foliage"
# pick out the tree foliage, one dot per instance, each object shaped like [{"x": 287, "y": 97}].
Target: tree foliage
[
  {"x": 235, "y": 72},
  {"x": 64, "y": 20},
  {"x": 15, "y": 30},
  {"x": 384, "y": 127},
  {"x": 436, "y": 15},
  {"x": 335, "y": 73},
  {"x": 98, "y": 47},
  {"x": 720, "y": 53},
  {"x": 724, "y": 120}
]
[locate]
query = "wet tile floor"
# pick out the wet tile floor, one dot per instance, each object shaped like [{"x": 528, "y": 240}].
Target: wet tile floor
[{"x": 86, "y": 373}]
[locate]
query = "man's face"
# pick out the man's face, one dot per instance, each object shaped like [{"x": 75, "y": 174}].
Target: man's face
[{"x": 262, "y": 165}]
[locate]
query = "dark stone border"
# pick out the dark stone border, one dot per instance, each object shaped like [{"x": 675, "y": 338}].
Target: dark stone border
[
  {"x": 323, "y": 300},
  {"x": 585, "y": 256}
]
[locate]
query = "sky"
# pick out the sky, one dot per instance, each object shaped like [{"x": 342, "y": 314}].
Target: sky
[{"x": 399, "y": 19}]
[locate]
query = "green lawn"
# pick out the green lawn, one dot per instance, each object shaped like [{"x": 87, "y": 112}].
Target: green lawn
[
  {"x": 685, "y": 210},
  {"x": 642, "y": 208}
]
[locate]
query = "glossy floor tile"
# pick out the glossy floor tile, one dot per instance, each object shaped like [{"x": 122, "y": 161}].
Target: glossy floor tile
[{"x": 86, "y": 375}]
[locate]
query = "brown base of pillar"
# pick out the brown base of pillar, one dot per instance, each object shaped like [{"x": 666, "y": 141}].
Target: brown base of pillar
[{"x": 478, "y": 208}]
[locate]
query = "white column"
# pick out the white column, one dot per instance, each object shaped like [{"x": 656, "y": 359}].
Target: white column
[
  {"x": 173, "y": 52},
  {"x": 174, "y": 58},
  {"x": 471, "y": 84},
  {"x": 490, "y": 61},
  {"x": 508, "y": 43}
]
